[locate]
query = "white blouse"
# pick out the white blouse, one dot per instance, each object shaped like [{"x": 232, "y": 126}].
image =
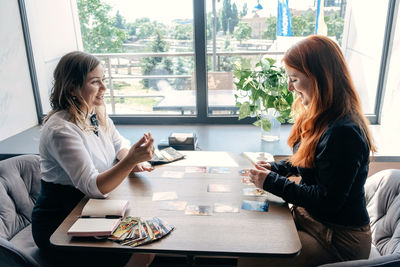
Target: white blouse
[{"x": 71, "y": 156}]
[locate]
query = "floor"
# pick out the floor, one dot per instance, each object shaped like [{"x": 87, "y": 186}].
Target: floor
[{"x": 182, "y": 261}]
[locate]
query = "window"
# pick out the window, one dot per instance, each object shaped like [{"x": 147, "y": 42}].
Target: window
[{"x": 173, "y": 61}]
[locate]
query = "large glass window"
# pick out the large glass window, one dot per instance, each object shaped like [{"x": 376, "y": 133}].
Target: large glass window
[{"x": 173, "y": 61}]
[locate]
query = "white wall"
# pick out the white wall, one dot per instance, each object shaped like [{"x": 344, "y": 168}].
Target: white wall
[
  {"x": 53, "y": 34},
  {"x": 362, "y": 46},
  {"x": 17, "y": 104}
]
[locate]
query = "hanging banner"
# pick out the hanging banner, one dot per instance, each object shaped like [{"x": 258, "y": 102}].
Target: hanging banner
[
  {"x": 284, "y": 21},
  {"x": 320, "y": 25}
]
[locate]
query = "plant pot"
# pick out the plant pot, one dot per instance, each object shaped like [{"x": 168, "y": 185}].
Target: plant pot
[{"x": 273, "y": 132}]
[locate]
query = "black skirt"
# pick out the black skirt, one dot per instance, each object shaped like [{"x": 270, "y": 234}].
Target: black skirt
[{"x": 54, "y": 204}]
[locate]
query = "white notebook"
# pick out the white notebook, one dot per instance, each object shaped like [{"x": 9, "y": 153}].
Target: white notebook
[{"x": 100, "y": 217}]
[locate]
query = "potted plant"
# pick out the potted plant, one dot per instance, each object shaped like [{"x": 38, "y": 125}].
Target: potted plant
[{"x": 262, "y": 92}]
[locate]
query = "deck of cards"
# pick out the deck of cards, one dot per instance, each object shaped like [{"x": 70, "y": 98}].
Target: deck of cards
[{"x": 133, "y": 231}]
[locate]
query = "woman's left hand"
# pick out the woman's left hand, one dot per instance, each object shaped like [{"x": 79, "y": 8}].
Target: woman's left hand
[
  {"x": 258, "y": 175},
  {"x": 142, "y": 166}
]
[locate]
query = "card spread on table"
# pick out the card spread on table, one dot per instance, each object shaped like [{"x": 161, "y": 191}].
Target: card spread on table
[
  {"x": 196, "y": 169},
  {"x": 250, "y": 191},
  {"x": 173, "y": 205},
  {"x": 172, "y": 174},
  {"x": 164, "y": 196},
  {"x": 255, "y": 205},
  {"x": 200, "y": 210},
  {"x": 219, "y": 170},
  {"x": 221, "y": 188},
  {"x": 246, "y": 180},
  {"x": 220, "y": 207}
]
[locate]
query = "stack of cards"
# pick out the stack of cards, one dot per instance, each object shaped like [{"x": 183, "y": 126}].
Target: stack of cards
[{"x": 133, "y": 231}]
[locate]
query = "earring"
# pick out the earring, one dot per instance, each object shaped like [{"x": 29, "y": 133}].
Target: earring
[{"x": 74, "y": 98}]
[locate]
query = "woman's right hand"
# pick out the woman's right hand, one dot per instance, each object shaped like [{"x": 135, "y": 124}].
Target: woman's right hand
[
  {"x": 264, "y": 164},
  {"x": 143, "y": 150}
]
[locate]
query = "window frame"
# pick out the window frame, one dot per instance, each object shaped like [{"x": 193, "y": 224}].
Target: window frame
[{"x": 202, "y": 116}]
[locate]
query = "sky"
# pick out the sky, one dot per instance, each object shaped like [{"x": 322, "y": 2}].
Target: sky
[{"x": 167, "y": 10}]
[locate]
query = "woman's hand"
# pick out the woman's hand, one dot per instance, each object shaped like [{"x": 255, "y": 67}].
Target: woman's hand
[
  {"x": 264, "y": 164},
  {"x": 258, "y": 175},
  {"x": 142, "y": 151},
  {"x": 142, "y": 166}
]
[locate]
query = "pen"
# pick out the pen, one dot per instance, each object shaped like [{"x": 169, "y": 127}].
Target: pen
[{"x": 106, "y": 216}]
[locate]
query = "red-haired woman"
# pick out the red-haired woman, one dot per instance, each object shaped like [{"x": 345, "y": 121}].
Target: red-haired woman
[{"x": 331, "y": 148}]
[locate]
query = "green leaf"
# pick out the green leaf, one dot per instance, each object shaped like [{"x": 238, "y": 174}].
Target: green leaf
[
  {"x": 266, "y": 124},
  {"x": 257, "y": 123},
  {"x": 244, "y": 110}
]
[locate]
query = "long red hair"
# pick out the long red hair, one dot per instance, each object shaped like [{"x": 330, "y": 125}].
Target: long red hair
[{"x": 334, "y": 96}]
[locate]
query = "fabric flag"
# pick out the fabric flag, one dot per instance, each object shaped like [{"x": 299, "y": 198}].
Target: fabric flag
[
  {"x": 320, "y": 25},
  {"x": 284, "y": 23}
]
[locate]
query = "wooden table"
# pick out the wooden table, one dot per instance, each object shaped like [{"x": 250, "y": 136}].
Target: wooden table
[{"x": 247, "y": 233}]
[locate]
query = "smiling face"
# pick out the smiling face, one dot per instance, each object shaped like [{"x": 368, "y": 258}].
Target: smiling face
[
  {"x": 301, "y": 84},
  {"x": 93, "y": 88}
]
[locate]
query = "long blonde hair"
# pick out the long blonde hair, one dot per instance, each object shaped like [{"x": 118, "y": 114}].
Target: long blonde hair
[
  {"x": 334, "y": 96},
  {"x": 69, "y": 78}
]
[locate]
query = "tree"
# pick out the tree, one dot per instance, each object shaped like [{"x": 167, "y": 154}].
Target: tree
[
  {"x": 243, "y": 13},
  {"x": 226, "y": 15},
  {"x": 234, "y": 18},
  {"x": 183, "y": 32},
  {"x": 304, "y": 24},
  {"x": 242, "y": 31},
  {"x": 99, "y": 35},
  {"x": 270, "y": 32},
  {"x": 119, "y": 21},
  {"x": 156, "y": 65},
  {"x": 335, "y": 26}
]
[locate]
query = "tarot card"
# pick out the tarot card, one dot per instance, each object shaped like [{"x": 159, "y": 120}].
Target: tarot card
[
  {"x": 164, "y": 225},
  {"x": 124, "y": 228},
  {"x": 220, "y": 188},
  {"x": 196, "y": 169},
  {"x": 154, "y": 229},
  {"x": 201, "y": 210},
  {"x": 246, "y": 180},
  {"x": 164, "y": 196},
  {"x": 250, "y": 191},
  {"x": 244, "y": 172},
  {"x": 173, "y": 205},
  {"x": 255, "y": 205},
  {"x": 219, "y": 170},
  {"x": 172, "y": 174},
  {"x": 220, "y": 207}
]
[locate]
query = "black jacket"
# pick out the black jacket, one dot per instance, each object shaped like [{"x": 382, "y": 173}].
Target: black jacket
[{"x": 332, "y": 191}]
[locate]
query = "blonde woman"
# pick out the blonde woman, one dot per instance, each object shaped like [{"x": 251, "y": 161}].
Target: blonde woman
[{"x": 79, "y": 145}]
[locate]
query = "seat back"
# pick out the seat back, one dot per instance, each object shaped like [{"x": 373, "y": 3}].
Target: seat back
[
  {"x": 19, "y": 189},
  {"x": 383, "y": 203}
]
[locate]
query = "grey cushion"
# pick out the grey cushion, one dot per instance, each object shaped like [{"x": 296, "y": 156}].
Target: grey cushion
[
  {"x": 382, "y": 193},
  {"x": 12, "y": 256},
  {"x": 383, "y": 203},
  {"x": 19, "y": 189}
]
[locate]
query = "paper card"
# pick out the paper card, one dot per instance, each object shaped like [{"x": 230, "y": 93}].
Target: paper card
[
  {"x": 244, "y": 172},
  {"x": 164, "y": 196},
  {"x": 196, "y": 169},
  {"x": 173, "y": 205},
  {"x": 250, "y": 191},
  {"x": 201, "y": 210},
  {"x": 220, "y": 207},
  {"x": 255, "y": 205},
  {"x": 172, "y": 174},
  {"x": 246, "y": 180},
  {"x": 221, "y": 188},
  {"x": 219, "y": 170}
]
